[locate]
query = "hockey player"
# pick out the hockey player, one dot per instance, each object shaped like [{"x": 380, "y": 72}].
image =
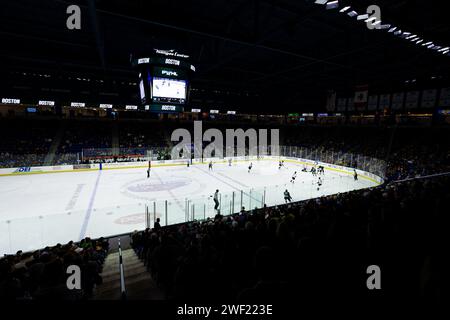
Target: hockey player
[
  {"x": 149, "y": 168},
  {"x": 293, "y": 177},
  {"x": 313, "y": 171},
  {"x": 279, "y": 164},
  {"x": 304, "y": 169},
  {"x": 210, "y": 165},
  {"x": 355, "y": 175},
  {"x": 320, "y": 170},
  {"x": 216, "y": 200},
  {"x": 287, "y": 196},
  {"x": 319, "y": 183},
  {"x": 229, "y": 162},
  {"x": 250, "y": 167}
]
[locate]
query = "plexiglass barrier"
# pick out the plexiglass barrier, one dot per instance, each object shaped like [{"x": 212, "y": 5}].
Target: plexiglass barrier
[{"x": 38, "y": 231}]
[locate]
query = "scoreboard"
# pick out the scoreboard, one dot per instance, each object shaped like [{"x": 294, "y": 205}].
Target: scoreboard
[{"x": 164, "y": 81}]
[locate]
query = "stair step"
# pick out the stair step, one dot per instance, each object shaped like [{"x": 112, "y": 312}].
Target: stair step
[{"x": 138, "y": 282}]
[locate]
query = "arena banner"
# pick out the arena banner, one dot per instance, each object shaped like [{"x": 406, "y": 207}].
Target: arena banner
[
  {"x": 384, "y": 102},
  {"x": 81, "y": 166},
  {"x": 361, "y": 97},
  {"x": 429, "y": 98},
  {"x": 398, "y": 100},
  {"x": 372, "y": 105},
  {"x": 35, "y": 170},
  {"x": 412, "y": 99},
  {"x": 444, "y": 97},
  {"x": 341, "y": 104}
]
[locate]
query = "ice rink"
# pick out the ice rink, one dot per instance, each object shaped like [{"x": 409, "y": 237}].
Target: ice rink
[{"x": 43, "y": 209}]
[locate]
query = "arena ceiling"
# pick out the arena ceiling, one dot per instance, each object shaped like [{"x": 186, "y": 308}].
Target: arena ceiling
[{"x": 248, "y": 53}]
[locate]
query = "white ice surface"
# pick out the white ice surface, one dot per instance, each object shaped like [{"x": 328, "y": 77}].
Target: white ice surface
[{"x": 44, "y": 209}]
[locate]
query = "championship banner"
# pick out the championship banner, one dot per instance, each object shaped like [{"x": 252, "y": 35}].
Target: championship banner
[
  {"x": 331, "y": 100},
  {"x": 372, "y": 105},
  {"x": 444, "y": 98},
  {"x": 429, "y": 98},
  {"x": 341, "y": 104},
  {"x": 385, "y": 102},
  {"x": 412, "y": 100},
  {"x": 397, "y": 100},
  {"x": 351, "y": 104},
  {"x": 361, "y": 97}
]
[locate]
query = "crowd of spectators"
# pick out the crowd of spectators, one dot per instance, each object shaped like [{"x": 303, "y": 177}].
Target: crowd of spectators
[
  {"x": 312, "y": 250},
  {"x": 24, "y": 142},
  {"x": 42, "y": 274},
  {"x": 315, "y": 247}
]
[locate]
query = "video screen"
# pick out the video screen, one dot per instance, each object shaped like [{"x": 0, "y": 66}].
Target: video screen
[{"x": 169, "y": 90}]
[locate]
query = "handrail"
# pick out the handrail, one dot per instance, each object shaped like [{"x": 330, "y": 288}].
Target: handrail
[
  {"x": 123, "y": 293},
  {"x": 443, "y": 174}
]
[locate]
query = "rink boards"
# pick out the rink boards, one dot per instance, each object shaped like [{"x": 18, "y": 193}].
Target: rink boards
[{"x": 162, "y": 163}]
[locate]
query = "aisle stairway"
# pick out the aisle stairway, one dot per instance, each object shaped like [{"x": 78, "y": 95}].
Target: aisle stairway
[
  {"x": 139, "y": 284},
  {"x": 48, "y": 161},
  {"x": 115, "y": 138}
]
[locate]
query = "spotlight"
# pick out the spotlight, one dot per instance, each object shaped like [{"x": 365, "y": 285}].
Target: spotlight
[
  {"x": 376, "y": 23},
  {"x": 370, "y": 19},
  {"x": 332, "y": 5},
  {"x": 344, "y": 9},
  {"x": 362, "y": 17}
]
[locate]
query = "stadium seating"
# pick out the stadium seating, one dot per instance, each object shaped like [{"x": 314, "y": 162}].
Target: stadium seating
[{"x": 309, "y": 246}]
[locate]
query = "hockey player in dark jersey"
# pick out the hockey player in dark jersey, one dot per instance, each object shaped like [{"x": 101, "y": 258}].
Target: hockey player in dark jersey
[{"x": 293, "y": 177}]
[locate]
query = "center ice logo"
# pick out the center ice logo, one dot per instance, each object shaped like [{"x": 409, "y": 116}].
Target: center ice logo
[{"x": 236, "y": 142}]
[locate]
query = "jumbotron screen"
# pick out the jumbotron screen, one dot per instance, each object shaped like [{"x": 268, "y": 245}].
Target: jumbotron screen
[{"x": 169, "y": 90}]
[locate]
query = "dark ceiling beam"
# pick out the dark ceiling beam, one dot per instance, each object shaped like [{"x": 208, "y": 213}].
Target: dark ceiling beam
[
  {"x": 97, "y": 34},
  {"x": 209, "y": 35}
]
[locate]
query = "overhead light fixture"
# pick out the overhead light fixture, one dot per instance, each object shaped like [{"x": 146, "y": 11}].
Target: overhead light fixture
[
  {"x": 370, "y": 19},
  {"x": 332, "y": 5},
  {"x": 411, "y": 36},
  {"x": 398, "y": 32},
  {"x": 344, "y": 9},
  {"x": 392, "y": 29},
  {"x": 444, "y": 49},
  {"x": 321, "y": 1},
  {"x": 427, "y": 43},
  {"x": 419, "y": 41},
  {"x": 376, "y": 23},
  {"x": 406, "y": 33},
  {"x": 430, "y": 46},
  {"x": 352, "y": 13},
  {"x": 385, "y": 26},
  {"x": 362, "y": 17}
]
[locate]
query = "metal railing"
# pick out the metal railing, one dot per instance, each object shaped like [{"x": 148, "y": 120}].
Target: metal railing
[{"x": 123, "y": 292}]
